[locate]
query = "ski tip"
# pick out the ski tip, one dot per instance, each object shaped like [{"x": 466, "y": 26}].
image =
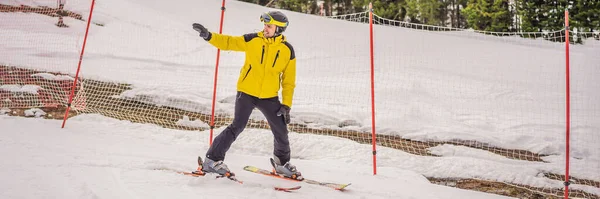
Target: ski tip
[
  {"x": 231, "y": 177},
  {"x": 251, "y": 168},
  {"x": 343, "y": 187},
  {"x": 280, "y": 189},
  {"x": 236, "y": 180},
  {"x": 193, "y": 173},
  {"x": 288, "y": 189}
]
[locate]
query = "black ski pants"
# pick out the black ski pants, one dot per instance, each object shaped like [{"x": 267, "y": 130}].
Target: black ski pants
[{"x": 244, "y": 104}]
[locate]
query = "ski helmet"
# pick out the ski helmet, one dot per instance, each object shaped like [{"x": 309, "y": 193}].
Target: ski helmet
[{"x": 276, "y": 18}]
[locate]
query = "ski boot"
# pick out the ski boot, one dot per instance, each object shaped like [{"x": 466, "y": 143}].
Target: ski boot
[
  {"x": 287, "y": 170},
  {"x": 218, "y": 167}
]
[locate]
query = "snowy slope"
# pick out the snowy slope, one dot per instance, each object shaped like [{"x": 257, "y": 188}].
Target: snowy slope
[
  {"x": 99, "y": 157},
  {"x": 430, "y": 86}
]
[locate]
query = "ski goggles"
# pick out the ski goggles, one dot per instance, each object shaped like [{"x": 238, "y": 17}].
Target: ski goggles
[{"x": 267, "y": 19}]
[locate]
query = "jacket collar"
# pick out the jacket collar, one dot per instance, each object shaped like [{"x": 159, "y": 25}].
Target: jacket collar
[{"x": 273, "y": 40}]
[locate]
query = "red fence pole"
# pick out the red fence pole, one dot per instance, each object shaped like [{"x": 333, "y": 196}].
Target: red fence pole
[
  {"x": 212, "y": 114},
  {"x": 568, "y": 111},
  {"x": 78, "y": 65},
  {"x": 373, "y": 137}
]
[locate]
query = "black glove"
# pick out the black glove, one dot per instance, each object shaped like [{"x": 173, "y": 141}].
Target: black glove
[
  {"x": 202, "y": 30},
  {"x": 285, "y": 111}
]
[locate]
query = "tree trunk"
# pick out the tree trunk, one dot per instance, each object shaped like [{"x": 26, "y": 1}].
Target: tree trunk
[
  {"x": 457, "y": 15},
  {"x": 452, "y": 14},
  {"x": 327, "y": 5}
]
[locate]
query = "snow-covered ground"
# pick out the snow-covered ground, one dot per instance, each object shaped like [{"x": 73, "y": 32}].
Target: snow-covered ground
[
  {"x": 99, "y": 157},
  {"x": 429, "y": 86}
]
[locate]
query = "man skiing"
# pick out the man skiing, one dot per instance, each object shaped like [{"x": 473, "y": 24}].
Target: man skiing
[{"x": 270, "y": 62}]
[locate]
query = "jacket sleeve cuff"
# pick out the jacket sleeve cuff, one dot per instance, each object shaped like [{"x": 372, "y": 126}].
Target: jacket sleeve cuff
[
  {"x": 209, "y": 37},
  {"x": 288, "y": 104}
]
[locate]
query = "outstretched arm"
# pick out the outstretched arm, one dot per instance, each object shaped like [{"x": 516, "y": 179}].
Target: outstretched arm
[
  {"x": 223, "y": 42},
  {"x": 226, "y": 42}
]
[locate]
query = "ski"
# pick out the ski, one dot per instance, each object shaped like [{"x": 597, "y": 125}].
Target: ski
[
  {"x": 290, "y": 189},
  {"x": 336, "y": 186},
  {"x": 231, "y": 176},
  {"x": 187, "y": 173},
  {"x": 200, "y": 174}
]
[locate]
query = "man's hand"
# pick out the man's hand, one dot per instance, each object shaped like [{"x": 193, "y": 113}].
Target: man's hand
[
  {"x": 285, "y": 111},
  {"x": 202, "y": 30}
]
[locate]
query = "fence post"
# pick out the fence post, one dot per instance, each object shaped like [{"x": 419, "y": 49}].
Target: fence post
[
  {"x": 373, "y": 135},
  {"x": 212, "y": 114},
  {"x": 78, "y": 66},
  {"x": 61, "y": 13},
  {"x": 568, "y": 105}
]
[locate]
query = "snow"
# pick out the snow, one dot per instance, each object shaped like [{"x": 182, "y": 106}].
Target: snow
[
  {"x": 49, "y": 76},
  {"x": 99, "y": 157},
  {"x": 4, "y": 110},
  {"x": 34, "y": 112},
  {"x": 191, "y": 123},
  {"x": 507, "y": 92},
  {"x": 29, "y": 3},
  {"x": 31, "y": 89}
]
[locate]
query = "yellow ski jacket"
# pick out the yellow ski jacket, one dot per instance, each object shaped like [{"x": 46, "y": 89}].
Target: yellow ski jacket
[{"x": 270, "y": 62}]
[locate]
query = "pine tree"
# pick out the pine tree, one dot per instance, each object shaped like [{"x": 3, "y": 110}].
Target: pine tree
[
  {"x": 292, "y": 5},
  {"x": 457, "y": 20},
  {"x": 348, "y": 8},
  {"x": 478, "y": 14},
  {"x": 585, "y": 15},
  {"x": 429, "y": 11},
  {"x": 443, "y": 13},
  {"x": 500, "y": 16},
  {"x": 263, "y": 2},
  {"x": 387, "y": 9},
  {"x": 462, "y": 18},
  {"x": 491, "y": 15},
  {"x": 327, "y": 7},
  {"x": 555, "y": 12},
  {"x": 595, "y": 16},
  {"x": 313, "y": 7},
  {"x": 530, "y": 15},
  {"x": 403, "y": 4},
  {"x": 360, "y": 5},
  {"x": 412, "y": 11},
  {"x": 338, "y": 7}
]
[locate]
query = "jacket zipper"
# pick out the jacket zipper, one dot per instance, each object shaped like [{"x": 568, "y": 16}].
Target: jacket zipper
[
  {"x": 247, "y": 73},
  {"x": 274, "y": 61},
  {"x": 262, "y": 55}
]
